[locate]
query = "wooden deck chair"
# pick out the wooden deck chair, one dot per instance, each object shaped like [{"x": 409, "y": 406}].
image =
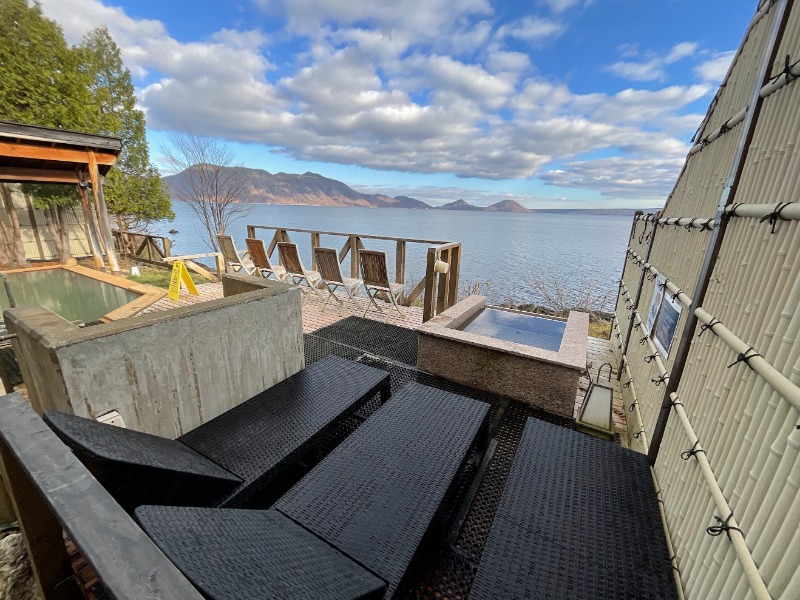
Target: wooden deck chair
[
  {"x": 297, "y": 273},
  {"x": 331, "y": 272},
  {"x": 261, "y": 261},
  {"x": 231, "y": 256},
  {"x": 376, "y": 280}
]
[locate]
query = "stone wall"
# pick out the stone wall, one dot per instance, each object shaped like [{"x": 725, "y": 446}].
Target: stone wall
[{"x": 168, "y": 372}]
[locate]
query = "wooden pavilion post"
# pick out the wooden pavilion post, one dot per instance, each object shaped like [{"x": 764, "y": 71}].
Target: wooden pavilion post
[
  {"x": 104, "y": 225},
  {"x": 91, "y": 228}
]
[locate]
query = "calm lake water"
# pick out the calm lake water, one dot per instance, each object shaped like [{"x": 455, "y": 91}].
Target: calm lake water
[{"x": 503, "y": 251}]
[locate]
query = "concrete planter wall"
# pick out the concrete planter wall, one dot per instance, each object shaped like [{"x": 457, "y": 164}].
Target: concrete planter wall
[
  {"x": 542, "y": 378},
  {"x": 168, "y": 372}
]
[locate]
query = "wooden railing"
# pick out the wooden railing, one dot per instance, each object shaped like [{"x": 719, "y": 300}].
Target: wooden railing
[
  {"x": 439, "y": 286},
  {"x": 142, "y": 246}
]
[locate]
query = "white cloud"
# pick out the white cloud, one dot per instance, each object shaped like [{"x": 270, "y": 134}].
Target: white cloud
[
  {"x": 531, "y": 29},
  {"x": 714, "y": 69},
  {"x": 424, "y": 89},
  {"x": 651, "y": 69},
  {"x": 559, "y": 6}
]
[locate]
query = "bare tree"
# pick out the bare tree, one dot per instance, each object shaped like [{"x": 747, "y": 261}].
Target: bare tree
[
  {"x": 561, "y": 292},
  {"x": 210, "y": 183}
]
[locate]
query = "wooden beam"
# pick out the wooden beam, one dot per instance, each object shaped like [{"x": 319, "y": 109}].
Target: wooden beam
[
  {"x": 444, "y": 288},
  {"x": 415, "y": 293},
  {"x": 314, "y": 244},
  {"x": 54, "y": 154},
  {"x": 26, "y": 175},
  {"x": 428, "y": 305},
  {"x": 91, "y": 227},
  {"x": 453, "y": 275}
]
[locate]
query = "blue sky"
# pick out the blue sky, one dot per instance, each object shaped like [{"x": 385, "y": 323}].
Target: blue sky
[{"x": 554, "y": 103}]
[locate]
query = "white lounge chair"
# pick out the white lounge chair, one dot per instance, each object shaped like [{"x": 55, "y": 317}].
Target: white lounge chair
[
  {"x": 297, "y": 273},
  {"x": 331, "y": 272},
  {"x": 261, "y": 261},
  {"x": 376, "y": 280},
  {"x": 233, "y": 260}
]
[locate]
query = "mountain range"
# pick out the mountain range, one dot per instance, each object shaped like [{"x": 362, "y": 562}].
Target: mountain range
[{"x": 263, "y": 187}]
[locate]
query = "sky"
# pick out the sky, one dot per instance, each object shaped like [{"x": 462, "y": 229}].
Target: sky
[{"x": 553, "y": 103}]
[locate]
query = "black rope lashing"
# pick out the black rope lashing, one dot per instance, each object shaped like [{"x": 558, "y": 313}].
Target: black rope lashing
[
  {"x": 690, "y": 224},
  {"x": 663, "y": 286},
  {"x": 627, "y": 384},
  {"x": 637, "y": 325},
  {"x": 745, "y": 357},
  {"x": 660, "y": 380},
  {"x": 633, "y": 406},
  {"x": 673, "y": 403},
  {"x": 724, "y": 128},
  {"x": 641, "y": 237},
  {"x": 710, "y": 325},
  {"x": 650, "y": 358},
  {"x": 651, "y": 275},
  {"x": 676, "y": 294},
  {"x": 787, "y": 70},
  {"x": 775, "y": 215},
  {"x": 707, "y": 225},
  {"x": 722, "y": 527},
  {"x": 732, "y": 211},
  {"x": 687, "y": 454},
  {"x": 643, "y": 341},
  {"x": 639, "y": 433}
]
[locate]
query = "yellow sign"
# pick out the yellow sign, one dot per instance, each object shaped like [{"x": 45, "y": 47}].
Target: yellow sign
[{"x": 180, "y": 274}]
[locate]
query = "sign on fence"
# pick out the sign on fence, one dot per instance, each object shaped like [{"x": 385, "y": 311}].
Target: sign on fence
[{"x": 180, "y": 274}]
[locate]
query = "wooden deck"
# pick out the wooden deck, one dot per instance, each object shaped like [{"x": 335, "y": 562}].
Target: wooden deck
[{"x": 599, "y": 351}]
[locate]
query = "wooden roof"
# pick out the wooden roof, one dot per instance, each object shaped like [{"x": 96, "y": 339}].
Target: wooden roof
[{"x": 32, "y": 154}]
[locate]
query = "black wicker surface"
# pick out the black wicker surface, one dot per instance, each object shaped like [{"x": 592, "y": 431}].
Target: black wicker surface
[
  {"x": 381, "y": 339},
  {"x": 578, "y": 518},
  {"x": 377, "y": 495},
  {"x": 110, "y": 444},
  {"x": 258, "y": 438},
  {"x": 232, "y": 554}
]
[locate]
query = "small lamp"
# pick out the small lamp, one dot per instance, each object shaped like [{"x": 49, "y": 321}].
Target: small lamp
[
  {"x": 441, "y": 267},
  {"x": 594, "y": 417}
]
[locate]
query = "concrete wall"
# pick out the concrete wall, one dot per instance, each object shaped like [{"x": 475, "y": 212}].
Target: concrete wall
[{"x": 165, "y": 373}]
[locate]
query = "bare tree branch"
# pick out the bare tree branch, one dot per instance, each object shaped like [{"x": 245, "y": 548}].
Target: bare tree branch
[{"x": 211, "y": 184}]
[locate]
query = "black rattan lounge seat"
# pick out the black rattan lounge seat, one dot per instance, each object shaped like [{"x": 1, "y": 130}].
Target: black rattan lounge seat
[
  {"x": 234, "y": 554},
  {"x": 228, "y": 460},
  {"x": 578, "y": 518},
  {"x": 376, "y": 498}
]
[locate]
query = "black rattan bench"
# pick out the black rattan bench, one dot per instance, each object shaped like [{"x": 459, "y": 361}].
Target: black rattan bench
[
  {"x": 376, "y": 499},
  {"x": 578, "y": 518},
  {"x": 228, "y": 460}
]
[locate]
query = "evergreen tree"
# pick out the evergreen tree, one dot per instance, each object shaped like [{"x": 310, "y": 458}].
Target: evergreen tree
[{"x": 134, "y": 191}]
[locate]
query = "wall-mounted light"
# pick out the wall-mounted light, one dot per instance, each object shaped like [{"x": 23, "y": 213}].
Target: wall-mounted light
[
  {"x": 595, "y": 416},
  {"x": 441, "y": 267}
]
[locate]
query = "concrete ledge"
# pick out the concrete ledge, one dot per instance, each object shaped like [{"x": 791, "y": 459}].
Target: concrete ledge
[
  {"x": 166, "y": 372},
  {"x": 238, "y": 283}
]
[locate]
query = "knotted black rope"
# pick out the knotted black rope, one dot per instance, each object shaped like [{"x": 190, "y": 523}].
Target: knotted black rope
[
  {"x": 775, "y": 215},
  {"x": 663, "y": 286},
  {"x": 687, "y": 454},
  {"x": 651, "y": 275},
  {"x": 732, "y": 211},
  {"x": 707, "y": 225},
  {"x": 745, "y": 357},
  {"x": 637, "y": 325},
  {"x": 643, "y": 341},
  {"x": 633, "y": 405},
  {"x": 787, "y": 70},
  {"x": 722, "y": 526},
  {"x": 724, "y": 128},
  {"x": 660, "y": 380},
  {"x": 641, "y": 237},
  {"x": 710, "y": 325},
  {"x": 676, "y": 294},
  {"x": 673, "y": 403},
  {"x": 627, "y": 384},
  {"x": 638, "y": 433},
  {"x": 650, "y": 358},
  {"x": 690, "y": 224}
]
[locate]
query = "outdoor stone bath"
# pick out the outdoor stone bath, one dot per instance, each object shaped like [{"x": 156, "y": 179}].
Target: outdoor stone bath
[{"x": 533, "y": 359}]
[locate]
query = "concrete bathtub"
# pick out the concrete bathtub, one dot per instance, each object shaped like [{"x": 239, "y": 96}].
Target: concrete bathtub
[{"x": 533, "y": 359}]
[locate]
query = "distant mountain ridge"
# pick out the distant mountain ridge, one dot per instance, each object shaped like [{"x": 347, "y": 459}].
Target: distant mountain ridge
[{"x": 263, "y": 187}]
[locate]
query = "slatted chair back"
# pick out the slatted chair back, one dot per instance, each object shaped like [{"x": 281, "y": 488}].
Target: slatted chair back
[
  {"x": 328, "y": 264},
  {"x": 373, "y": 268},
  {"x": 228, "y": 249},
  {"x": 290, "y": 258},
  {"x": 258, "y": 253}
]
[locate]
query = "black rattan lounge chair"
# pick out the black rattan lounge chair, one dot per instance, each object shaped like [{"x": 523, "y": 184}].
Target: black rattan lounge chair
[
  {"x": 230, "y": 459},
  {"x": 375, "y": 499},
  {"x": 578, "y": 518}
]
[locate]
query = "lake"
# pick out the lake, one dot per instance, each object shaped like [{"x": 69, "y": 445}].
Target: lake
[{"x": 505, "y": 252}]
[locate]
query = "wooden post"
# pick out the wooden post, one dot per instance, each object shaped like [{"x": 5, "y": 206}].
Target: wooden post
[
  {"x": 354, "y": 263},
  {"x": 400, "y": 266},
  {"x": 272, "y": 244},
  {"x": 91, "y": 227},
  {"x": 105, "y": 223},
  {"x": 35, "y": 228},
  {"x": 167, "y": 247},
  {"x": 251, "y": 231},
  {"x": 43, "y": 535},
  {"x": 220, "y": 264},
  {"x": 453, "y": 274},
  {"x": 443, "y": 284},
  {"x": 314, "y": 244},
  {"x": 428, "y": 306}
]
